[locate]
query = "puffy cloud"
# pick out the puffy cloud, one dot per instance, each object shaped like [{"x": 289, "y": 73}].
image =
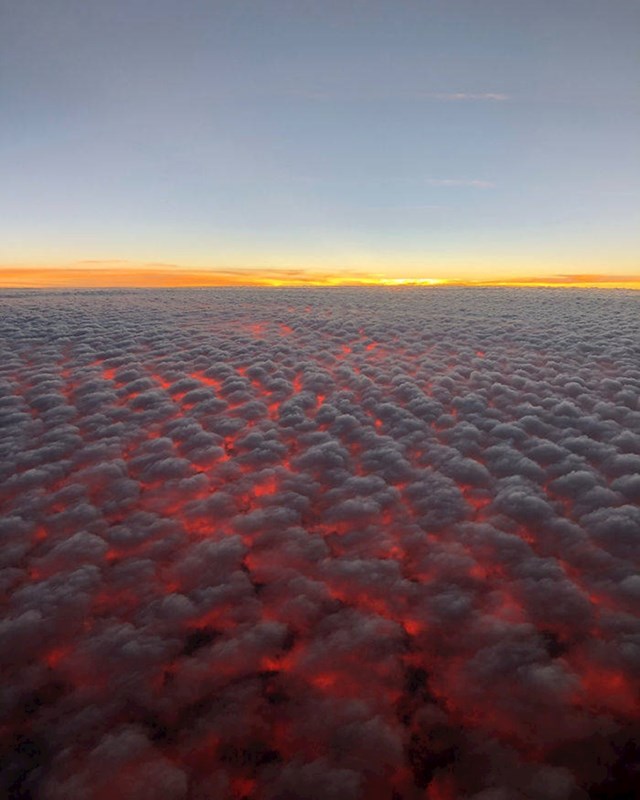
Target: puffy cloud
[{"x": 320, "y": 544}]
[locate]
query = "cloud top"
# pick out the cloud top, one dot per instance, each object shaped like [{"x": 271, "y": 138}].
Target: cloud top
[{"x": 307, "y": 544}]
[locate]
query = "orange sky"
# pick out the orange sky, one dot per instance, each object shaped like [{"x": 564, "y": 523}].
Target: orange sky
[{"x": 122, "y": 274}]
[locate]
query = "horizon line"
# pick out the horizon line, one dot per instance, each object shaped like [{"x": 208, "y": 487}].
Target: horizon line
[{"x": 163, "y": 275}]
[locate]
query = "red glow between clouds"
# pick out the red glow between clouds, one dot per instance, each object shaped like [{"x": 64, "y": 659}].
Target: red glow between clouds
[{"x": 351, "y": 555}]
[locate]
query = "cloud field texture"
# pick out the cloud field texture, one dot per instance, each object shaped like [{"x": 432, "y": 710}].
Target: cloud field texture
[{"x": 343, "y": 544}]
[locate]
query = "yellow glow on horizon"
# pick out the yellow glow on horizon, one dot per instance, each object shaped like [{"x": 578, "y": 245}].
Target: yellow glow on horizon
[
  {"x": 412, "y": 281},
  {"x": 103, "y": 275}
]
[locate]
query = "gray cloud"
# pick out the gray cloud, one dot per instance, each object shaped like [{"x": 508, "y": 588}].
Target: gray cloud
[{"x": 320, "y": 543}]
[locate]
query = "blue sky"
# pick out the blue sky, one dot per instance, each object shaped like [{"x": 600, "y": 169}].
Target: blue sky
[{"x": 436, "y": 138}]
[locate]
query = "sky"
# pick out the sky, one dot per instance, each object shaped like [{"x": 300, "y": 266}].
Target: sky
[{"x": 154, "y": 142}]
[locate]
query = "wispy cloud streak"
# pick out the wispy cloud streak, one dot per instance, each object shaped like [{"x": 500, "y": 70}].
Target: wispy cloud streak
[
  {"x": 491, "y": 97},
  {"x": 452, "y": 182}
]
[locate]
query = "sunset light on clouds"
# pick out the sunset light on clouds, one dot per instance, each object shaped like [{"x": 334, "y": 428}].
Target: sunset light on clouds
[{"x": 319, "y": 400}]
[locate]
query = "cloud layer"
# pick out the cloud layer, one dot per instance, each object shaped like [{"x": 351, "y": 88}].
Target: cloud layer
[{"x": 320, "y": 544}]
